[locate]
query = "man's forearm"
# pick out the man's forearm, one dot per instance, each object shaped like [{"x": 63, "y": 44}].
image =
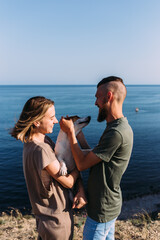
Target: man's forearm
[{"x": 82, "y": 160}]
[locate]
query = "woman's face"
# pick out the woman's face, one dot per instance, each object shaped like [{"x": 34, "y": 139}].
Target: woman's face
[{"x": 48, "y": 121}]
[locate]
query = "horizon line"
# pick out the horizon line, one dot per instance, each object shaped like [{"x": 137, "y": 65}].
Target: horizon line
[{"x": 73, "y": 84}]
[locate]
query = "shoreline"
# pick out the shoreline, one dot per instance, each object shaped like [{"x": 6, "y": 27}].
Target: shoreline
[
  {"x": 139, "y": 204},
  {"x": 142, "y": 204}
]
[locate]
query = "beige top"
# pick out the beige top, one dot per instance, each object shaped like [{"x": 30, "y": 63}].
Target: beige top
[{"x": 49, "y": 199}]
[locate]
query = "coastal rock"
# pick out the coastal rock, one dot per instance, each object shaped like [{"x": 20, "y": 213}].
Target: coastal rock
[{"x": 145, "y": 204}]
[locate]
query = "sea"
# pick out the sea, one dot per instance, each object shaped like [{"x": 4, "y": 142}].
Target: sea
[{"x": 142, "y": 176}]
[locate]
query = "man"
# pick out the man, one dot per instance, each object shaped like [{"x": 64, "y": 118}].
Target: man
[{"x": 107, "y": 161}]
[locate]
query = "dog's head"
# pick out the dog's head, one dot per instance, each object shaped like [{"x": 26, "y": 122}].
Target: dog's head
[{"x": 79, "y": 123}]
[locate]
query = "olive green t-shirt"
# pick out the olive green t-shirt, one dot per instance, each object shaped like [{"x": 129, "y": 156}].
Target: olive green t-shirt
[{"x": 104, "y": 192}]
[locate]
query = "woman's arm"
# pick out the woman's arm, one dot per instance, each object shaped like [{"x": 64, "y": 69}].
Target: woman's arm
[{"x": 66, "y": 181}]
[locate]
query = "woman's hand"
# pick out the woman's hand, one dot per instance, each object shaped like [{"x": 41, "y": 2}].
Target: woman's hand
[
  {"x": 80, "y": 199},
  {"x": 66, "y": 125}
]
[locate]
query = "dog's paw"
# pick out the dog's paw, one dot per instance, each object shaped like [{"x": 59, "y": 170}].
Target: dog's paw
[{"x": 63, "y": 169}]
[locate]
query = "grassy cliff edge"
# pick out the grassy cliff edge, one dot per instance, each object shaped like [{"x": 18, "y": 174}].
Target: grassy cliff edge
[{"x": 140, "y": 219}]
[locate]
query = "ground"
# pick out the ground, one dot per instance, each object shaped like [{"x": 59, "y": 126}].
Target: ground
[{"x": 137, "y": 221}]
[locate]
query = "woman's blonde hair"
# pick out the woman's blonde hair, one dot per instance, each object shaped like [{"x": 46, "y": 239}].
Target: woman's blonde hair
[{"x": 33, "y": 110}]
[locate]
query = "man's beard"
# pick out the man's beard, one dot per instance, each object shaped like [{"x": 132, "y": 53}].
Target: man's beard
[{"x": 102, "y": 115}]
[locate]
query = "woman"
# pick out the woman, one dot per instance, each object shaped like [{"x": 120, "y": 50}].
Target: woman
[{"x": 48, "y": 191}]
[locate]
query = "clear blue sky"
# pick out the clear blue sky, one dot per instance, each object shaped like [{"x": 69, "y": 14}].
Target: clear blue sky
[{"x": 79, "y": 41}]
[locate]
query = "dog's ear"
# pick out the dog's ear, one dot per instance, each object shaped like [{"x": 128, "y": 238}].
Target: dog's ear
[
  {"x": 67, "y": 118},
  {"x": 74, "y": 118}
]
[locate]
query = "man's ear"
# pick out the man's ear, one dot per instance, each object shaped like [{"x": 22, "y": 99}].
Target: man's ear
[
  {"x": 109, "y": 95},
  {"x": 36, "y": 123}
]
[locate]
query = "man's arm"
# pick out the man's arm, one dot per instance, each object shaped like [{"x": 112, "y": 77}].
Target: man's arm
[{"x": 82, "y": 161}]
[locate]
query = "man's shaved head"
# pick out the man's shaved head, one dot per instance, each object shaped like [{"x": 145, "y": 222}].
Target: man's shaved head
[{"x": 115, "y": 85}]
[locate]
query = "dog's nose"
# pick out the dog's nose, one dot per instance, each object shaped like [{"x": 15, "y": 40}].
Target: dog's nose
[{"x": 89, "y": 118}]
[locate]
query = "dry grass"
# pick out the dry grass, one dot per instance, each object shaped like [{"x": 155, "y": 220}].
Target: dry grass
[
  {"x": 141, "y": 227},
  {"x": 15, "y": 226}
]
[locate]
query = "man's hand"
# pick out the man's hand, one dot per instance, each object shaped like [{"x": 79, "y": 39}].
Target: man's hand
[{"x": 66, "y": 125}]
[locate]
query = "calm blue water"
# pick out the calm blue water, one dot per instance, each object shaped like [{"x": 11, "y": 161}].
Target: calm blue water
[{"x": 142, "y": 175}]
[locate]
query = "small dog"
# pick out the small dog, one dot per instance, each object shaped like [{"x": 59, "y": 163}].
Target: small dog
[{"x": 62, "y": 148}]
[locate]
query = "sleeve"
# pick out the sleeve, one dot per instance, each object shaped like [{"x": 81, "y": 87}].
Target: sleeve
[
  {"x": 45, "y": 157},
  {"x": 108, "y": 145}
]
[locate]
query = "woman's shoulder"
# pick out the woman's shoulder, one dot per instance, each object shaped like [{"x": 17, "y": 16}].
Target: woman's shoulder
[
  {"x": 39, "y": 147},
  {"x": 49, "y": 141},
  {"x": 40, "y": 153},
  {"x": 45, "y": 147}
]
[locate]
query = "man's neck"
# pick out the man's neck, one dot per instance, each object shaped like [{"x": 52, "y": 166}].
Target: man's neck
[
  {"x": 115, "y": 112},
  {"x": 112, "y": 118}
]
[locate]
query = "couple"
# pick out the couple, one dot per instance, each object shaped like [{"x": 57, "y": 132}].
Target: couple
[{"x": 107, "y": 162}]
